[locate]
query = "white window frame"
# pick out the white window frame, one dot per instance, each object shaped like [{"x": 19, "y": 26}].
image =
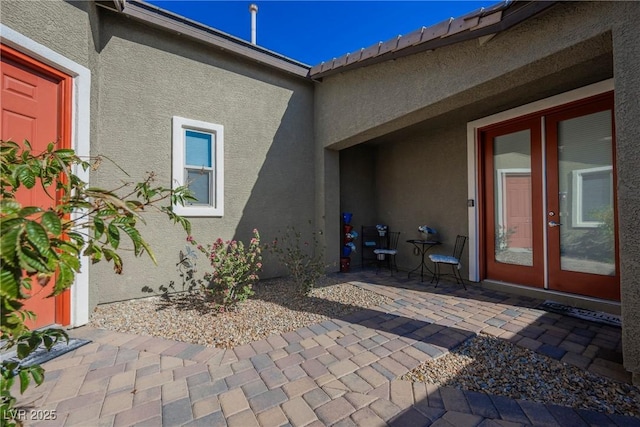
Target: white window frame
[
  {"x": 180, "y": 126},
  {"x": 577, "y": 187}
]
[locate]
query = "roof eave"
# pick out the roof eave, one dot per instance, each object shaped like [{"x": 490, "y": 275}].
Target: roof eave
[
  {"x": 508, "y": 21},
  {"x": 181, "y": 26}
]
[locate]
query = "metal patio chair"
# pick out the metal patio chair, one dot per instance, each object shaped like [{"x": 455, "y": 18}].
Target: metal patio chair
[
  {"x": 453, "y": 261},
  {"x": 389, "y": 251}
]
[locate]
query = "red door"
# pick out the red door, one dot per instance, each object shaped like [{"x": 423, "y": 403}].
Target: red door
[
  {"x": 549, "y": 196},
  {"x": 35, "y": 103},
  {"x": 513, "y": 240}
]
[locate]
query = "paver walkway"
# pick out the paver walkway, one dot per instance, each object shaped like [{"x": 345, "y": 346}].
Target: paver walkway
[{"x": 340, "y": 372}]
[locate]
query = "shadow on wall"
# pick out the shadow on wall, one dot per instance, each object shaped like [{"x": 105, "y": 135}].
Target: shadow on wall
[
  {"x": 358, "y": 190},
  {"x": 283, "y": 192},
  {"x": 407, "y": 181},
  {"x": 268, "y": 192},
  {"x": 269, "y": 141}
]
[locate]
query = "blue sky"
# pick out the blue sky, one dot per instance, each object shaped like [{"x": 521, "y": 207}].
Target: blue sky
[{"x": 316, "y": 31}]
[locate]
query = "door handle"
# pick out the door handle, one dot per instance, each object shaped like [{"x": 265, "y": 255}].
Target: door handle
[{"x": 554, "y": 224}]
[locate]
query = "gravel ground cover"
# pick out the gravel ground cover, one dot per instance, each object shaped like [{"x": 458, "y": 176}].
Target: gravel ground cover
[
  {"x": 483, "y": 363},
  {"x": 274, "y": 309},
  {"x": 488, "y": 364}
]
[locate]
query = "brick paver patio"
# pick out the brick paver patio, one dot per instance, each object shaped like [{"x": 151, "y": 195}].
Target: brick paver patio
[{"x": 341, "y": 372}]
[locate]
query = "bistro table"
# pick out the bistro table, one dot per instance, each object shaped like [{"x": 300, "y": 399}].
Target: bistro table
[{"x": 422, "y": 247}]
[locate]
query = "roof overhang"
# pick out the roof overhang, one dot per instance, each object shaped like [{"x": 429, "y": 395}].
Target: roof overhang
[
  {"x": 181, "y": 26},
  {"x": 481, "y": 24}
]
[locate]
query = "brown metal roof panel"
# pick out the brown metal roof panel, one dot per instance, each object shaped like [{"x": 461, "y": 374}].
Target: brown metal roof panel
[
  {"x": 330, "y": 65},
  {"x": 459, "y": 25},
  {"x": 316, "y": 68},
  {"x": 498, "y": 6},
  {"x": 410, "y": 39},
  {"x": 371, "y": 51},
  {"x": 436, "y": 31},
  {"x": 487, "y": 20},
  {"x": 472, "y": 14},
  {"x": 339, "y": 62},
  {"x": 389, "y": 45},
  {"x": 354, "y": 56}
]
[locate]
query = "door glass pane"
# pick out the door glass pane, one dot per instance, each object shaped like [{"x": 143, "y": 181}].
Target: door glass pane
[
  {"x": 199, "y": 182},
  {"x": 585, "y": 175},
  {"x": 512, "y": 190}
]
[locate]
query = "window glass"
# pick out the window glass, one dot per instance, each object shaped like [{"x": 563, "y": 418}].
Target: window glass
[
  {"x": 199, "y": 182},
  {"x": 512, "y": 189},
  {"x": 585, "y": 165},
  {"x": 198, "y": 148},
  {"x": 596, "y": 195}
]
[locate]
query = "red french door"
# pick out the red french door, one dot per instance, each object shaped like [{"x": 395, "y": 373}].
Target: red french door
[
  {"x": 36, "y": 105},
  {"x": 550, "y": 200},
  {"x": 513, "y": 222}
]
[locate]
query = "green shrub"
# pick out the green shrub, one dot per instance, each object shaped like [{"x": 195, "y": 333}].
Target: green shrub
[
  {"x": 235, "y": 269},
  {"x": 39, "y": 246},
  {"x": 304, "y": 261}
]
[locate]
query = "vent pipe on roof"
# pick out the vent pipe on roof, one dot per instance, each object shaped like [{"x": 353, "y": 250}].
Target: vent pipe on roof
[{"x": 254, "y": 11}]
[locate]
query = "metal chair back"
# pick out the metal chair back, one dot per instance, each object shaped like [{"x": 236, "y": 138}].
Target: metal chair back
[
  {"x": 459, "y": 247},
  {"x": 394, "y": 236}
]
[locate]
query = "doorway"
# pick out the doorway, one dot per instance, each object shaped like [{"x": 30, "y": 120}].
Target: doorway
[
  {"x": 36, "y": 106},
  {"x": 549, "y": 199}
]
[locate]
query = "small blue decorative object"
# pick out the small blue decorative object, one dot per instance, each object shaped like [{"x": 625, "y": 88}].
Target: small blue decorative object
[
  {"x": 346, "y": 217},
  {"x": 427, "y": 231},
  {"x": 346, "y": 251}
]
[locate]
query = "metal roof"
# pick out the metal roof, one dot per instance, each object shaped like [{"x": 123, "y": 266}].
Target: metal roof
[
  {"x": 479, "y": 23},
  {"x": 182, "y": 26}
]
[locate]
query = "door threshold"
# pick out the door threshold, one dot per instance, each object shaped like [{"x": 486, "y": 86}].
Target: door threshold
[{"x": 580, "y": 301}]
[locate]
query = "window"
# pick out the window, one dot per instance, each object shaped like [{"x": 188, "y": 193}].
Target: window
[
  {"x": 593, "y": 193},
  {"x": 198, "y": 157}
]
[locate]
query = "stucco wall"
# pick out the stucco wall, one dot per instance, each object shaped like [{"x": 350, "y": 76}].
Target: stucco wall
[
  {"x": 358, "y": 190},
  {"x": 146, "y": 77},
  {"x": 61, "y": 26},
  {"x": 406, "y": 105},
  {"x": 404, "y": 172},
  {"x": 366, "y": 103},
  {"x": 627, "y": 109},
  {"x": 141, "y": 77}
]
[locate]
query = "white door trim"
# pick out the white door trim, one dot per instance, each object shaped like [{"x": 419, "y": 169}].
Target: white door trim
[
  {"x": 472, "y": 155},
  {"x": 80, "y": 139}
]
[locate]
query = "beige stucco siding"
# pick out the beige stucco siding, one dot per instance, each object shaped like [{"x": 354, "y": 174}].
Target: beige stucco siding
[
  {"x": 371, "y": 101},
  {"x": 61, "y": 26},
  {"x": 148, "y": 76},
  {"x": 141, "y": 78},
  {"x": 627, "y": 103},
  {"x": 391, "y": 106},
  {"x": 418, "y": 179}
]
